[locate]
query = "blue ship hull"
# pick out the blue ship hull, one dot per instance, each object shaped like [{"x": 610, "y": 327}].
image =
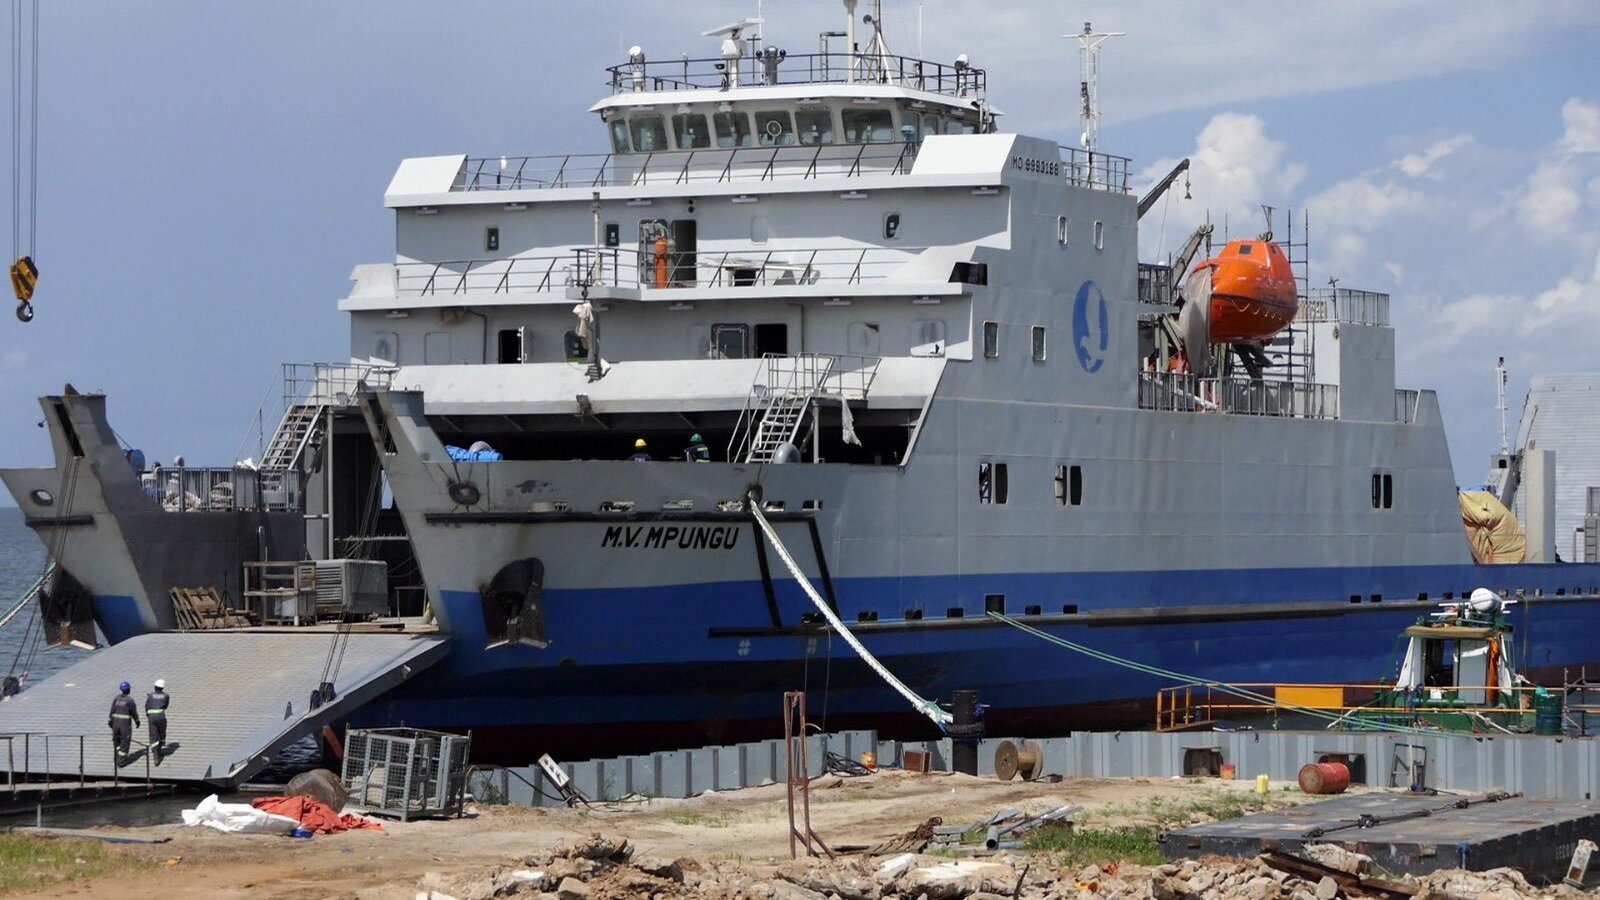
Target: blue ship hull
[{"x": 691, "y": 664}]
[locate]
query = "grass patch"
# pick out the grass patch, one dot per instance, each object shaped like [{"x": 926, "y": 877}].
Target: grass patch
[
  {"x": 1179, "y": 811},
  {"x": 692, "y": 817},
  {"x": 1072, "y": 847},
  {"x": 30, "y": 863}
]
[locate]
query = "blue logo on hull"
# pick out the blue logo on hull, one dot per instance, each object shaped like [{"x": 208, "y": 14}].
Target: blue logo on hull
[{"x": 1091, "y": 333}]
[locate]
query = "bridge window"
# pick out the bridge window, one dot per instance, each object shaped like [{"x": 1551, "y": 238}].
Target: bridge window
[
  {"x": 816, "y": 126},
  {"x": 690, "y": 130},
  {"x": 775, "y": 128},
  {"x": 649, "y": 134},
  {"x": 733, "y": 130},
  {"x": 930, "y": 124},
  {"x": 863, "y": 125},
  {"x": 1038, "y": 343},
  {"x": 991, "y": 340},
  {"x": 619, "y": 136},
  {"x": 993, "y": 484}
]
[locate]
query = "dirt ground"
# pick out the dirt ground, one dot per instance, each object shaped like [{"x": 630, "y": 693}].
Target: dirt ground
[{"x": 749, "y": 826}]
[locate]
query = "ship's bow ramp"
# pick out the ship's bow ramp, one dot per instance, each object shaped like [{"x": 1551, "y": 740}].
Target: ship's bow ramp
[{"x": 237, "y": 698}]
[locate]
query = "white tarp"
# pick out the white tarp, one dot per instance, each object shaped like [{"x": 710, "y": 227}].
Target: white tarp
[{"x": 237, "y": 818}]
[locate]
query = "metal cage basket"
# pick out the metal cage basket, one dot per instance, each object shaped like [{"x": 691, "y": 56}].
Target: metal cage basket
[{"x": 406, "y": 772}]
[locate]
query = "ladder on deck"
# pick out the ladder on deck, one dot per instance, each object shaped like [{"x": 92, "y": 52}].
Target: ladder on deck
[
  {"x": 785, "y": 390},
  {"x": 299, "y": 426}
]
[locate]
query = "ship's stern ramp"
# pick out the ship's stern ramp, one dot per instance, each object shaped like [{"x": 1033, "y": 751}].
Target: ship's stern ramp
[{"x": 238, "y": 697}]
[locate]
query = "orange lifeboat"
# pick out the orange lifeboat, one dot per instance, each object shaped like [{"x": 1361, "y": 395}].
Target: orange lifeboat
[{"x": 1246, "y": 293}]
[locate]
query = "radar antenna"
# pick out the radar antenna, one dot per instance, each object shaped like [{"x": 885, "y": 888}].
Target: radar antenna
[
  {"x": 732, "y": 33},
  {"x": 1089, "y": 42}
]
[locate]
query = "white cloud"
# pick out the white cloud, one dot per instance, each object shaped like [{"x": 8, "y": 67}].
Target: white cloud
[
  {"x": 1581, "y": 127},
  {"x": 1234, "y": 167},
  {"x": 1418, "y": 165}
]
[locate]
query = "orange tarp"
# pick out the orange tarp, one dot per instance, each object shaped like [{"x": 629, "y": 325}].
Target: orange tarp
[
  {"x": 1493, "y": 532},
  {"x": 316, "y": 817}
]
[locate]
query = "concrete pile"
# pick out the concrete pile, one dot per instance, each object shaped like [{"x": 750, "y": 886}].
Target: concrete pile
[{"x": 606, "y": 868}]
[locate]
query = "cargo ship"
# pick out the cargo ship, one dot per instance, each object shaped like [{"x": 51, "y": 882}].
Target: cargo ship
[{"x": 832, "y": 284}]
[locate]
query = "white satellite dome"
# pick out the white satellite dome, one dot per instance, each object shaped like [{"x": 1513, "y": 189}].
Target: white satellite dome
[{"x": 1484, "y": 600}]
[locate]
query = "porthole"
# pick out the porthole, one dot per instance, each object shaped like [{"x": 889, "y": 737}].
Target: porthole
[{"x": 41, "y": 496}]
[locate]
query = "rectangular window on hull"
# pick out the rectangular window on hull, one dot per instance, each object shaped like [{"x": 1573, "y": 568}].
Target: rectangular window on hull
[
  {"x": 1069, "y": 485},
  {"x": 1382, "y": 490},
  {"x": 991, "y": 340},
  {"x": 1038, "y": 343},
  {"x": 993, "y": 483}
]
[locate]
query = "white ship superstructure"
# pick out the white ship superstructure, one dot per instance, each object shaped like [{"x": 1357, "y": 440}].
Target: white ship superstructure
[{"x": 926, "y": 346}]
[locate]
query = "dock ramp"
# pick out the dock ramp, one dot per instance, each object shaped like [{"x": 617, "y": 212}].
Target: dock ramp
[{"x": 238, "y": 697}]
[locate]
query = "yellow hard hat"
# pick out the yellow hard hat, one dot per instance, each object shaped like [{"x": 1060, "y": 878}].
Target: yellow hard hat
[{"x": 639, "y": 443}]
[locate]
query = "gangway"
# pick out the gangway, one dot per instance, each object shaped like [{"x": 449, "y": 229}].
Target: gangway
[{"x": 238, "y": 697}]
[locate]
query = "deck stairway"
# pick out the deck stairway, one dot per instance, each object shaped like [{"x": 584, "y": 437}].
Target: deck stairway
[
  {"x": 299, "y": 427},
  {"x": 785, "y": 392}
]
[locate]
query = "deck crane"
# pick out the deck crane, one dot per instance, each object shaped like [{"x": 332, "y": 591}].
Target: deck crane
[
  {"x": 1154, "y": 194},
  {"x": 24, "y": 152}
]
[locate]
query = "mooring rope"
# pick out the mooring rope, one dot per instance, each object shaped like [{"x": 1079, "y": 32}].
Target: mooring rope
[
  {"x": 1221, "y": 687},
  {"x": 927, "y": 707}
]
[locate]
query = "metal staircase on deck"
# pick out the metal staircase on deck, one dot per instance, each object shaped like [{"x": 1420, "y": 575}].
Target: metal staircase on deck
[
  {"x": 296, "y": 430},
  {"x": 786, "y": 389}
]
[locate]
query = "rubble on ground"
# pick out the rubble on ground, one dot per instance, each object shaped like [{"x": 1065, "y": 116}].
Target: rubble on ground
[{"x": 602, "y": 867}]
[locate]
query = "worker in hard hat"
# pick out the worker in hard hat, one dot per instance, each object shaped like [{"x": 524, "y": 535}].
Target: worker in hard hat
[
  {"x": 155, "y": 712},
  {"x": 124, "y": 719},
  {"x": 697, "y": 451},
  {"x": 640, "y": 453}
]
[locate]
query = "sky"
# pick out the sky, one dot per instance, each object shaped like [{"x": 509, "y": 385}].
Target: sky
[{"x": 210, "y": 172}]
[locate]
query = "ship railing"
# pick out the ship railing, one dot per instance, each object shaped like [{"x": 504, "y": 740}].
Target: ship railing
[
  {"x": 1155, "y": 284},
  {"x": 1180, "y": 392},
  {"x": 239, "y": 488},
  {"x": 298, "y": 385},
  {"x": 1088, "y": 168},
  {"x": 1198, "y": 705},
  {"x": 1344, "y": 305},
  {"x": 743, "y": 267},
  {"x": 713, "y": 73},
  {"x": 782, "y": 375},
  {"x": 708, "y": 164},
  {"x": 1406, "y": 403}
]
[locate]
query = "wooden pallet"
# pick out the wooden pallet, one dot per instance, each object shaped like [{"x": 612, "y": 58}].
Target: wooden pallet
[{"x": 202, "y": 608}]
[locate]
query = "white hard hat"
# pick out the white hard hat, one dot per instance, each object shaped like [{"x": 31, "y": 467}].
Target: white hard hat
[
  {"x": 1484, "y": 600},
  {"x": 161, "y": 684}
]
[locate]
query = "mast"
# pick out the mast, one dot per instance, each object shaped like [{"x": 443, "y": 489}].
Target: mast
[
  {"x": 1500, "y": 402},
  {"x": 1089, "y": 42}
]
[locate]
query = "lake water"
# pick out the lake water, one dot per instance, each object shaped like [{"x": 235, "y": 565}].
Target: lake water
[{"x": 22, "y": 559}]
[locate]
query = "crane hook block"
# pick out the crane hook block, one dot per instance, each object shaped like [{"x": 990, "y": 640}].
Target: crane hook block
[{"x": 24, "y": 275}]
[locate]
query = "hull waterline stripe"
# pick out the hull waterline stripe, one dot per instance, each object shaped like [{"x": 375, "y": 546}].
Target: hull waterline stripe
[{"x": 924, "y": 706}]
